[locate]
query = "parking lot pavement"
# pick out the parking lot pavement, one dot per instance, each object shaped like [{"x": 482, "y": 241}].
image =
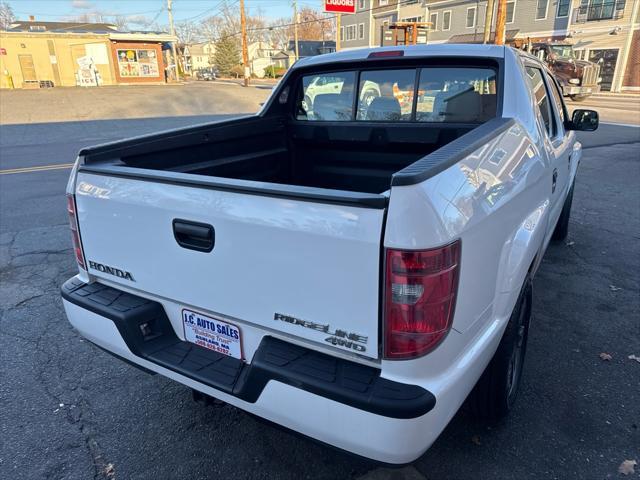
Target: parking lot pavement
[{"x": 71, "y": 411}]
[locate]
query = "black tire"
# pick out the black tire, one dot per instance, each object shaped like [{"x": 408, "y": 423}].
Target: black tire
[
  {"x": 307, "y": 104},
  {"x": 562, "y": 227},
  {"x": 578, "y": 98},
  {"x": 495, "y": 393}
]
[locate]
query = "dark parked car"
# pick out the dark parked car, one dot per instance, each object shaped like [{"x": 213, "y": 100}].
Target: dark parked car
[{"x": 206, "y": 74}]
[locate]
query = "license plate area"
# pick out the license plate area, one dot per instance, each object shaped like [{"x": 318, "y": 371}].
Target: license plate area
[{"x": 212, "y": 333}]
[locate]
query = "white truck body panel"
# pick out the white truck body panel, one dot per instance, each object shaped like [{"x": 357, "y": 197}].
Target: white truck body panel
[{"x": 313, "y": 261}]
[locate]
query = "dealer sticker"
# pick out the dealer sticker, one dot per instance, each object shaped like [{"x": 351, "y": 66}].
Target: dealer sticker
[{"x": 212, "y": 333}]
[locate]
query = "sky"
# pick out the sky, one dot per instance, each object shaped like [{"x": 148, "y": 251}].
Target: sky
[{"x": 194, "y": 10}]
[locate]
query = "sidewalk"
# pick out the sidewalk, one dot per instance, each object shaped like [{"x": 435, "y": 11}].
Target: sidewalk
[{"x": 616, "y": 95}]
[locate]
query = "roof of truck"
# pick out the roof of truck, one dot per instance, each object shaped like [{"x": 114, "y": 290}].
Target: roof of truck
[{"x": 448, "y": 49}]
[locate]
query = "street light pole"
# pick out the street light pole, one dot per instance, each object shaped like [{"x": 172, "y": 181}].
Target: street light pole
[
  {"x": 245, "y": 54},
  {"x": 172, "y": 30},
  {"x": 488, "y": 20},
  {"x": 501, "y": 20},
  {"x": 295, "y": 28}
]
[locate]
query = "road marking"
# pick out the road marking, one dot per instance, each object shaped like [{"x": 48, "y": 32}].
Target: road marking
[{"x": 58, "y": 166}]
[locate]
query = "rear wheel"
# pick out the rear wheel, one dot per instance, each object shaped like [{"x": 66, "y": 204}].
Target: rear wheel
[
  {"x": 562, "y": 227},
  {"x": 578, "y": 98},
  {"x": 307, "y": 104},
  {"x": 495, "y": 393}
]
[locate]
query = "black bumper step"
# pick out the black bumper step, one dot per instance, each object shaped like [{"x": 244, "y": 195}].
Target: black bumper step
[{"x": 148, "y": 333}]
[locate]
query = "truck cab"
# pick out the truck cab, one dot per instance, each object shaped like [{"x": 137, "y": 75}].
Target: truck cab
[{"x": 578, "y": 78}]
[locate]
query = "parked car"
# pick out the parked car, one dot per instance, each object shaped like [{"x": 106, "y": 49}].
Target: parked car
[
  {"x": 578, "y": 78},
  {"x": 207, "y": 74},
  {"x": 350, "y": 272}
]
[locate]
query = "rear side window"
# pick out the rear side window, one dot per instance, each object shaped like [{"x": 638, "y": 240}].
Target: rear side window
[
  {"x": 456, "y": 95},
  {"x": 534, "y": 76},
  {"x": 327, "y": 97},
  {"x": 430, "y": 94}
]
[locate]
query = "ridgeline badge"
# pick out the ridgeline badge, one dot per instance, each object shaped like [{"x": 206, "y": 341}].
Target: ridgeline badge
[{"x": 337, "y": 338}]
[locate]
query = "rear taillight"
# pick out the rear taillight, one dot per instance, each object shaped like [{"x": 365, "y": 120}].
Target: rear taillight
[
  {"x": 75, "y": 234},
  {"x": 420, "y": 297}
]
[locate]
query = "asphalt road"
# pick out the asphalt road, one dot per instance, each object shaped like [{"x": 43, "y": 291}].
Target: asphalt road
[{"x": 70, "y": 411}]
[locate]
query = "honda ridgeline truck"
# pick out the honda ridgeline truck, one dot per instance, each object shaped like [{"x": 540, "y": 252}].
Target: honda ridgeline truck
[{"x": 349, "y": 269}]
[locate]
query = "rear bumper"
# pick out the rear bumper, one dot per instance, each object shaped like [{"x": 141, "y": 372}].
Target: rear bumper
[
  {"x": 580, "y": 89},
  {"x": 333, "y": 400}
]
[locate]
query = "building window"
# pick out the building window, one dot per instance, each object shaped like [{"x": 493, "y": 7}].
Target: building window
[
  {"x": 446, "y": 20},
  {"x": 511, "y": 11},
  {"x": 342, "y": 34},
  {"x": 433, "y": 18},
  {"x": 350, "y": 33},
  {"x": 541, "y": 9},
  {"x": 362, "y": 4},
  {"x": 591, "y": 10},
  {"x": 384, "y": 2},
  {"x": 563, "y": 8},
  {"x": 137, "y": 63},
  {"x": 471, "y": 17},
  {"x": 412, "y": 19},
  {"x": 361, "y": 31}
]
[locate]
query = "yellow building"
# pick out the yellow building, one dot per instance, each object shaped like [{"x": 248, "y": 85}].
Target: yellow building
[{"x": 44, "y": 54}]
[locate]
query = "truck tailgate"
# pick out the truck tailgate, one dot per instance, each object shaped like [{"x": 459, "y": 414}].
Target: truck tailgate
[{"x": 303, "y": 268}]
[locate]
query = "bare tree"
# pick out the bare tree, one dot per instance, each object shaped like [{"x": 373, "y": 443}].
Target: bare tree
[
  {"x": 92, "y": 17},
  {"x": 212, "y": 29},
  {"x": 6, "y": 16},
  {"x": 187, "y": 32},
  {"x": 256, "y": 24},
  {"x": 121, "y": 21},
  {"x": 314, "y": 25},
  {"x": 278, "y": 35}
]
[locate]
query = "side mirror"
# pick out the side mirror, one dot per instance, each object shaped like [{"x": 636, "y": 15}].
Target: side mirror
[{"x": 584, "y": 120}]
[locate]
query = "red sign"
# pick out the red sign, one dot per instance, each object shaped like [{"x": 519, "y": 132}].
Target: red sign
[{"x": 340, "y": 6}]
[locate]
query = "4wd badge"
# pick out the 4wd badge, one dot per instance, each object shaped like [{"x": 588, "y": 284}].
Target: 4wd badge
[{"x": 337, "y": 338}]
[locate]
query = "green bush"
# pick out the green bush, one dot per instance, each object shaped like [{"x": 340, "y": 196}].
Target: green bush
[{"x": 274, "y": 72}]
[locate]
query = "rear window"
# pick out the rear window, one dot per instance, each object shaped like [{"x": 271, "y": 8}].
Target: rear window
[{"x": 430, "y": 94}]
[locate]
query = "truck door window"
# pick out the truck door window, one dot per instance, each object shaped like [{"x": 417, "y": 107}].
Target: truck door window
[
  {"x": 534, "y": 76},
  {"x": 557, "y": 98},
  {"x": 326, "y": 97},
  {"x": 386, "y": 95},
  {"x": 456, "y": 94}
]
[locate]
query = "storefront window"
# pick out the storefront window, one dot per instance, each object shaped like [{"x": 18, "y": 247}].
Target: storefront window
[{"x": 138, "y": 63}]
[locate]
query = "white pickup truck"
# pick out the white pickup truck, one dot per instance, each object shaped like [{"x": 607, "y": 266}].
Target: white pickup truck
[{"x": 348, "y": 269}]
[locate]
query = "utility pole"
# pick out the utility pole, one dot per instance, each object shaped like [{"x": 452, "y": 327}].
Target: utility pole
[
  {"x": 338, "y": 21},
  {"x": 295, "y": 28},
  {"x": 501, "y": 19},
  {"x": 488, "y": 20},
  {"x": 172, "y": 30},
  {"x": 245, "y": 54}
]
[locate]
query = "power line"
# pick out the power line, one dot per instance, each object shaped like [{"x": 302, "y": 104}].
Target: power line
[{"x": 322, "y": 19}]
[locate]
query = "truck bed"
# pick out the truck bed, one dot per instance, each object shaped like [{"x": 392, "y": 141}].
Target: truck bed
[{"x": 360, "y": 158}]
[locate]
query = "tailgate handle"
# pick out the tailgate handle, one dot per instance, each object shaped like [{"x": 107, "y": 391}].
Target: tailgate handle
[{"x": 194, "y": 235}]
